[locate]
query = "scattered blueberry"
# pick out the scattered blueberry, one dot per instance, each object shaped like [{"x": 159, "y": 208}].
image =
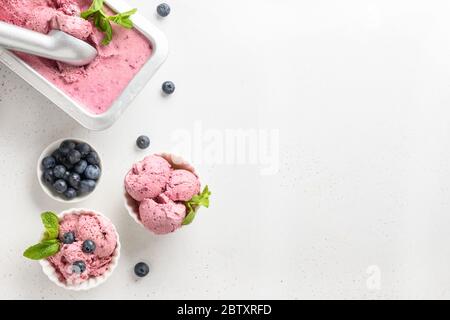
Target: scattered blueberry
[
  {"x": 59, "y": 171},
  {"x": 163, "y": 9},
  {"x": 60, "y": 186},
  {"x": 86, "y": 186},
  {"x": 88, "y": 246},
  {"x": 68, "y": 237},
  {"x": 84, "y": 149},
  {"x": 143, "y": 142},
  {"x": 48, "y": 176},
  {"x": 141, "y": 269},
  {"x": 92, "y": 172},
  {"x": 74, "y": 180},
  {"x": 74, "y": 156},
  {"x": 78, "y": 267},
  {"x": 168, "y": 87},
  {"x": 80, "y": 167},
  {"x": 93, "y": 158},
  {"x": 48, "y": 162}
]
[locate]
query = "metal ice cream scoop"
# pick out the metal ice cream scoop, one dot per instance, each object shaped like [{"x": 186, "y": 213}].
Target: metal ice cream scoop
[{"x": 56, "y": 45}]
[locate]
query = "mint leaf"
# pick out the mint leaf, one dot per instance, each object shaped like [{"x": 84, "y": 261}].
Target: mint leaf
[
  {"x": 51, "y": 225},
  {"x": 124, "y": 22},
  {"x": 102, "y": 21},
  {"x": 95, "y": 7},
  {"x": 108, "y": 33},
  {"x": 86, "y": 14},
  {"x": 189, "y": 218},
  {"x": 123, "y": 19},
  {"x": 201, "y": 199},
  {"x": 97, "y": 4},
  {"x": 128, "y": 14},
  {"x": 42, "y": 250}
]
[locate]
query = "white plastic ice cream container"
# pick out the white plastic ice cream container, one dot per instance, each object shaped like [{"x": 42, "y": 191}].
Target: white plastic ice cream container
[{"x": 76, "y": 110}]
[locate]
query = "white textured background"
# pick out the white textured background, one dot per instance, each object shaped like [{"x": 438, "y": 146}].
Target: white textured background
[{"x": 360, "y": 91}]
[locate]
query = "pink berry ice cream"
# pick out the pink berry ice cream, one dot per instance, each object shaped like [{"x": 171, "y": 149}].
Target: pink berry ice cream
[
  {"x": 182, "y": 186},
  {"x": 161, "y": 192},
  {"x": 148, "y": 178},
  {"x": 97, "y": 85},
  {"x": 161, "y": 215},
  {"x": 84, "y": 227}
]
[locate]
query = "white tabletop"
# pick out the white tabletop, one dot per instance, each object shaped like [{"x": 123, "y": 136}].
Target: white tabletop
[{"x": 348, "y": 195}]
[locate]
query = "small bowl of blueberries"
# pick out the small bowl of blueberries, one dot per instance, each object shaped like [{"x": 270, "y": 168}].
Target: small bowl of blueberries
[{"x": 69, "y": 170}]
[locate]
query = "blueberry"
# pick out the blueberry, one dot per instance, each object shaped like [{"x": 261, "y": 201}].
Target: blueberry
[
  {"x": 80, "y": 167},
  {"x": 88, "y": 246},
  {"x": 70, "y": 193},
  {"x": 60, "y": 186},
  {"x": 143, "y": 142},
  {"x": 92, "y": 172},
  {"x": 83, "y": 148},
  {"x": 57, "y": 155},
  {"x": 48, "y": 162},
  {"x": 163, "y": 9},
  {"x": 74, "y": 180},
  {"x": 74, "y": 156},
  {"x": 141, "y": 269},
  {"x": 67, "y": 144},
  {"x": 168, "y": 87},
  {"x": 78, "y": 267},
  {"x": 48, "y": 176},
  {"x": 86, "y": 186},
  {"x": 93, "y": 158},
  {"x": 59, "y": 171},
  {"x": 63, "y": 151},
  {"x": 68, "y": 237},
  {"x": 66, "y": 175},
  {"x": 65, "y": 147},
  {"x": 66, "y": 163}
]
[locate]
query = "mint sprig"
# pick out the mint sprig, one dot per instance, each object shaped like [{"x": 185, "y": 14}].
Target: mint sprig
[
  {"x": 50, "y": 244},
  {"x": 102, "y": 21},
  {"x": 42, "y": 250},
  {"x": 51, "y": 225},
  {"x": 201, "y": 199}
]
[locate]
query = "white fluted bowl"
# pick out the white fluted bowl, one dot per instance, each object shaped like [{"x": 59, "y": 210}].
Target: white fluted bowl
[{"x": 93, "y": 282}]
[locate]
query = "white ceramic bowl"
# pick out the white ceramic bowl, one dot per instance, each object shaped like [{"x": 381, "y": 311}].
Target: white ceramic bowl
[
  {"x": 51, "y": 273},
  {"x": 52, "y": 194},
  {"x": 132, "y": 206}
]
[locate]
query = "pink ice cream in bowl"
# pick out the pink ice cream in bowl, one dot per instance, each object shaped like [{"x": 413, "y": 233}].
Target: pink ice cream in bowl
[
  {"x": 163, "y": 193},
  {"x": 97, "y": 94},
  {"x": 79, "y": 250}
]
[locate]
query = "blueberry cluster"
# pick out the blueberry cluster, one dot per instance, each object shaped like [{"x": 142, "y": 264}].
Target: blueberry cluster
[{"x": 72, "y": 170}]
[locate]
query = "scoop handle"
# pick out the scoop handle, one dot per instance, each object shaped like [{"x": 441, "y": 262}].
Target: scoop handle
[
  {"x": 20, "y": 39},
  {"x": 56, "y": 45}
]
